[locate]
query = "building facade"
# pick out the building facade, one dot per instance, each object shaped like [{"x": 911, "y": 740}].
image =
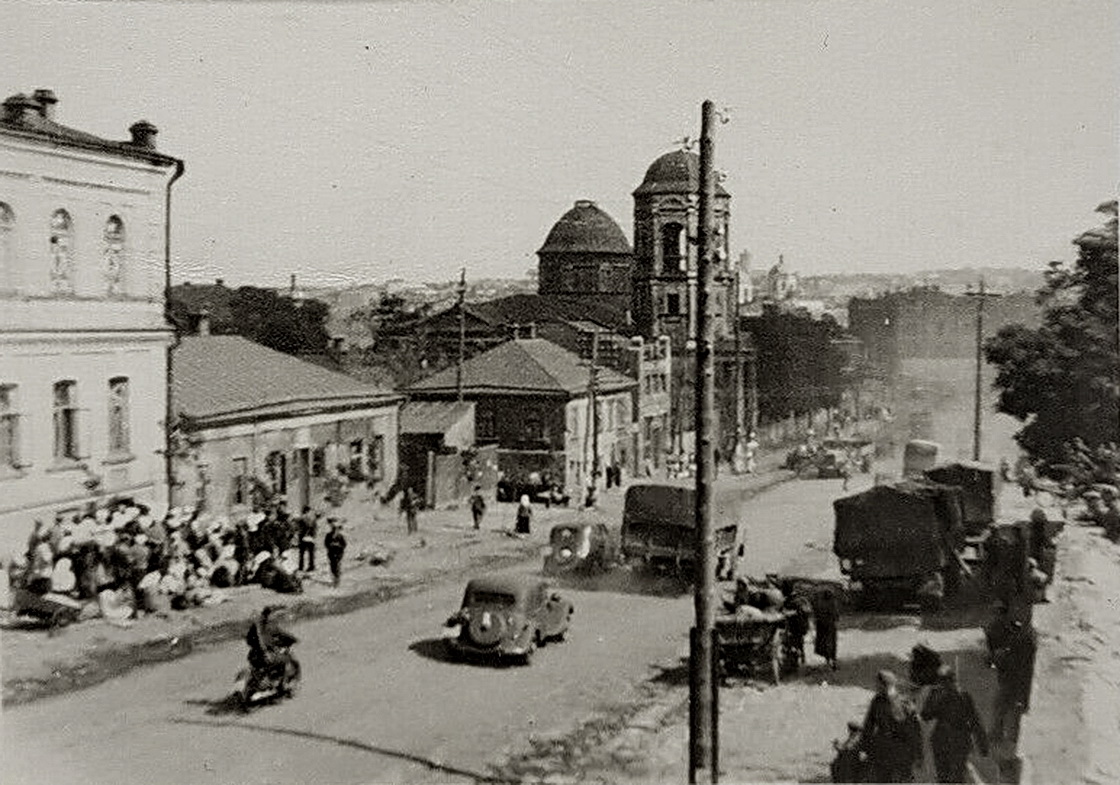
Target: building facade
[
  {"x": 538, "y": 403},
  {"x": 250, "y": 420},
  {"x": 83, "y": 338}
]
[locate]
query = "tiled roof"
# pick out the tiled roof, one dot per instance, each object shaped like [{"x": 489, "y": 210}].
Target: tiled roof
[
  {"x": 433, "y": 416},
  {"x": 538, "y": 308},
  {"x": 524, "y": 366},
  {"x": 586, "y": 228},
  {"x": 216, "y": 375}
]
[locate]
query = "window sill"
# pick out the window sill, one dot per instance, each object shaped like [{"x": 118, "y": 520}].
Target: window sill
[{"x": 117, "y": 458}]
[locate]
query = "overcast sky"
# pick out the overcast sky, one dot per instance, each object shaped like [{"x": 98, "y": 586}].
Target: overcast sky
[{"x": 367, "y": 141}]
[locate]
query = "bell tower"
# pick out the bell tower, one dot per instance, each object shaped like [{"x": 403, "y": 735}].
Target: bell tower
[{"x": 666, "y": 213}]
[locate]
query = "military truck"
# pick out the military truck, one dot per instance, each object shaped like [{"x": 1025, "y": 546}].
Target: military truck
[
  {"x": 901, "y": 541},
  {"x": 659, "y": 528}
]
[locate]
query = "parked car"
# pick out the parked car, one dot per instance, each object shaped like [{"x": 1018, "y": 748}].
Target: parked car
[
  {"x": 506, "y": 617},
  {"x": 579, "y": 547}
]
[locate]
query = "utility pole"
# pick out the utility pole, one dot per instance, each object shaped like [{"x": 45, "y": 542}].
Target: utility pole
[
  {"x": 981, "y": 295},
  {"x": 703, "y": 719},
  {"x": 738, "y": 456},
  {"x": 593, "y": 403},
  {"x": 462, "y": 292}
]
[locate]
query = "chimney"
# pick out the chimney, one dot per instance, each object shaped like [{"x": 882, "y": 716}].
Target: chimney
[
  {"x": 143, "y": 134},
  {"x": 219, "y": 282},
  {"x": 46, "y": 99},
  {"x": 292, "y": 286},
  {"x": 20, "y": 107}
]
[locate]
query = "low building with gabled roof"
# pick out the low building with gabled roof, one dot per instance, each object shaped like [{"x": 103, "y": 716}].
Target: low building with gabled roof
[
  {"x": 248, "y": 417},
  {"x": 533, "y": 398}
]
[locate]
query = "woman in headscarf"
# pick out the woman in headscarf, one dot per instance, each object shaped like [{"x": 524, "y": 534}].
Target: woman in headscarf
[
  {"x": 826, "y": 617},
  {"x": 892, "y": 737},
  {"x": 524, "y": 516}
]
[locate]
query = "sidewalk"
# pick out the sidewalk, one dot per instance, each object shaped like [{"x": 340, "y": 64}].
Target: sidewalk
[{"x": 37, "y": 665}]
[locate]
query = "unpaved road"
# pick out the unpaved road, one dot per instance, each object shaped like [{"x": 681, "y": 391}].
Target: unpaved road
[{"x": 379, "y": 702}]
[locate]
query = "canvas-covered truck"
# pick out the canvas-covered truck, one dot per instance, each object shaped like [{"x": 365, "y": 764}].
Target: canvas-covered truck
[
  {"x": 919, "y": 456},
  {"x": 659, "y": 529},
  {"x": 901, "y": 541}
]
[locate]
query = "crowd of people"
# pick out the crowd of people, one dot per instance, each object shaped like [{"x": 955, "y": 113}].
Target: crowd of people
[{"x": 133, "y": 561}]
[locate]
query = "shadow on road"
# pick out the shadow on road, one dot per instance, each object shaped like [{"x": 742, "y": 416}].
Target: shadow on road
[
  {"x": 344, "y": 742},
  {"x": 433, "y": 649},
  {"x": 228, "y": 704}
]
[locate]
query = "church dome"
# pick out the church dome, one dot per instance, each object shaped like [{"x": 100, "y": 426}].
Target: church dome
[
  {"x": 586, "y": 229},
  {"x": 674, "y": 173}
]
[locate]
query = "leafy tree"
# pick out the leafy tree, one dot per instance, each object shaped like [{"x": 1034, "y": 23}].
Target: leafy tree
[{"x": 1063, "y": 379}]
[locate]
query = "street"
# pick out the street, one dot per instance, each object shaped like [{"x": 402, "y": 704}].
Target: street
[{"x": 379, "y": 702}]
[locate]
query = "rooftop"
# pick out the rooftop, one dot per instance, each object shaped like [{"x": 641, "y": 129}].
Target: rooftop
[
  {"x": 586, "y": 229},
  {"x": 526, "y": 366},
  {"x": 227, "y": 375}
]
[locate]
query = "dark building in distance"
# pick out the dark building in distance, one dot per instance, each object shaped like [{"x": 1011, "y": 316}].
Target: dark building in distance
[{"x": 927, "y": 323}]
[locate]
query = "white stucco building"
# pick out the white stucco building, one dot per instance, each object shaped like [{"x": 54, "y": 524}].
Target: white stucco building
[{"x": 83, "y": 336}]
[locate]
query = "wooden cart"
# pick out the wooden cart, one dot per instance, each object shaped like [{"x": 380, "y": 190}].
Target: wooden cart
[{"x": 753, "y": 642}]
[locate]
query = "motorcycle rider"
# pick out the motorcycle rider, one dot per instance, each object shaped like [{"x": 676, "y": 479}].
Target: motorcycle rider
[{"x": 268, "y": 648}]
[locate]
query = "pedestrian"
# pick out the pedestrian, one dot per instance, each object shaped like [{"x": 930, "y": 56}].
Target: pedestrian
[
  {"x": 956, "y": 727},
  {"x": 826, "y": 617},
  {"x": 478, "y": 507},
  {"x": 1014, "y": 664},
  {"x": 409, "y": 505},
  {"x": 308, "y": 529},
  {"x": 335, "y": 543},
  {"x": 891, "y": 736},
  {"x": 524, "y": 516},
  {"x": 845, "y": 474}
]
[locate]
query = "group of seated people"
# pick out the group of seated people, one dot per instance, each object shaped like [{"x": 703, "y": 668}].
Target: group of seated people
[{"x": 134, "y": 561}]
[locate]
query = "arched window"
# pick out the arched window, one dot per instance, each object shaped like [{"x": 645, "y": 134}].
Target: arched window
[
  {"x": 673, "y": 255},
  {"x": 7, "y": 234},
  {"x": 114, "y": 255},
  {"x": 62, "y": 253}
]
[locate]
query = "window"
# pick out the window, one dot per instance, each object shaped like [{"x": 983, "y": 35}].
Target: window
[
  {"x": 7, "y": 233},
  {"x": 534, "y": 428},
  {"x": 376, "y": 457},
  {"x": 65, "y": 421},
  {"x": 673, "y": 304},
  {"x": 276, "y": 465},
  {"x": 118, "y": 415},
  {"x": 9, "y": 428},
  {"x": 239, "y": 481},
  {"x": 486, "y": 429},
  {"x": 318, "y": 461},
  {"x": 357, "y": 453},
  {"x": 114, "y": 255},
  {"x": 62, "y": 253},
  {"x": 672, "y": 248}
]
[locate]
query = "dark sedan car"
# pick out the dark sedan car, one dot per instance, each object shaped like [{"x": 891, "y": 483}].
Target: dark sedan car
[
  {"x": 579, "y": 547},
  {"x": 508, "y": 617}
]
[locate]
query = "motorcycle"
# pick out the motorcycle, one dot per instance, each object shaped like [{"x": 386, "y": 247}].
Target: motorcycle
[{"x": 255, "y": 686}]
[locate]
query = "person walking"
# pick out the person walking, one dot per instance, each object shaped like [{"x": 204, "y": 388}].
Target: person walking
[
  {"x": 956, "y": 727},
  {"x": 524, "y": 516},
  {"x": 891, "y": 736},
  {"x": 308, "y": 528},
  {"x": 335, "y": 543},
  {"x": 826, "y": 618},
  {"x": 409, "y": 505},
  {"x": 1014, "y": 664},
  {"x": 478, "y": 507}
]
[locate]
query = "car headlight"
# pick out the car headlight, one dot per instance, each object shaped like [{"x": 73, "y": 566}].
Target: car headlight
[
  {"x": 845, "y": 565},
  {"x": 565, "y": 553}
]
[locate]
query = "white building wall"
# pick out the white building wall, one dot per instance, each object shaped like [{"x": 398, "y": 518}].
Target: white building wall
[{"x": 88, "y": 336}]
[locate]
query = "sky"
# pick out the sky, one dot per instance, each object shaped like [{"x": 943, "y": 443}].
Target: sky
[{"x": 361, "y": 142}]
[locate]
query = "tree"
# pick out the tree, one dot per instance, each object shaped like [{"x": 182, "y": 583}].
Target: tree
[
  {"x": 1063, "y": 379},
  {"x": 278, "y": 322}
]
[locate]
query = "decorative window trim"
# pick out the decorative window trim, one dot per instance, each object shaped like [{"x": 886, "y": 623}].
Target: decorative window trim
[{"x": 62, "y": 252}]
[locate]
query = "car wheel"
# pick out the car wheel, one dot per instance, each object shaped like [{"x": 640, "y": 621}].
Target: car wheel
[{"x": 539, "y": 639}]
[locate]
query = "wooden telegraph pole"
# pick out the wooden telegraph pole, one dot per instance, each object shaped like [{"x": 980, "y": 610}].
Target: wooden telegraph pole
[
  {"x": 703, "y": 718},
  {"x": 981, "y": 295},
  {"x": 462, "y": 292}
]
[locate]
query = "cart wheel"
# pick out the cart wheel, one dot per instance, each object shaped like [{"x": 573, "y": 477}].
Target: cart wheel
[{"x": 776, "y": 647}]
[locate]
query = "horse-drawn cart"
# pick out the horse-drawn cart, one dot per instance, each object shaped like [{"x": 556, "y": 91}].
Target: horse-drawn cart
[{"x": 757, "y": 642}]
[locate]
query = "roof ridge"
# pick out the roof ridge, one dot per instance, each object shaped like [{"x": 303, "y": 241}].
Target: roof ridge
[{"x": 558, "y": 382}]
